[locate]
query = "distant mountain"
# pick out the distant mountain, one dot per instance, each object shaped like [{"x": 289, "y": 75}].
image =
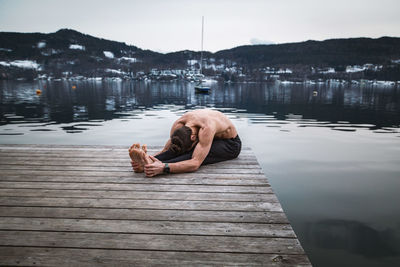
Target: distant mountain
[
  {"x": 333, "y": 52},
  {"x": 37, "y": 45},
  {"x": 68, "y": 52}
]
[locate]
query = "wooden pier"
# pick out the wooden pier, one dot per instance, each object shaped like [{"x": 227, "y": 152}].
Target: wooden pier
[{"x": 84, "y": 206}]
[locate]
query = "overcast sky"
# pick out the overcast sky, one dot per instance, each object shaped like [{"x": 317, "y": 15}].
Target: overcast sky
[{"x": 166, "y": 26}]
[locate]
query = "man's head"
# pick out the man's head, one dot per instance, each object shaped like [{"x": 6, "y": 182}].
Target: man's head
[{"x": 182, "y": 140}]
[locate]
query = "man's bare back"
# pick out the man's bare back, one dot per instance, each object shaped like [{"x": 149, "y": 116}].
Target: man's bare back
[
  {"x": 192, "y": 136},
  {"x": 224, "y": 128}
]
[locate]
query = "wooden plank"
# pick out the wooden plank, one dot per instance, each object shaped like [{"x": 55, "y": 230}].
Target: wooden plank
[
  {"x": 138, "y": 204},
  {"x": 115, "y": 163},
  {"x": 109, "y": 161},
  {"x": 124, "y": 151},
  {"x": 90, "y": 159},
  {"x": 59, "y": 147},
  {"x": 126, "y": 168},
  {"x": 109, "y": 194},
  {"x": 37, "y": 256},
  {"x": 147, "y": 227},
  {"x": 127, "y": 173},
  {"x": 89, "y": 156},
  {"x": 98, "y": 157},
  {"x": 62, "y": 146},
  {"x": 94, "y": 155},
  {"x": 180, "y": 180},
  {"x": 203, "y": 172},
  {"x": 138, "y": 187},
  {"x": 60, "y": 150},
  {"x": 186, "y": 178},
  {"x": 144, "y": 215},
  {"x": 81, "y": 147},
  {"x": 192, "y": 243}
]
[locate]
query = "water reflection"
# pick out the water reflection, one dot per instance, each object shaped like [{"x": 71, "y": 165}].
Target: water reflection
[
  {"x": 354, "y": 237},
  {"x": 350, "y": 107}
]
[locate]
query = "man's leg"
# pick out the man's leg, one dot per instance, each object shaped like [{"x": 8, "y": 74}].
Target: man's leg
[
  {"x": 170, "y": 157},
  {"x": 223, "y": 149}
]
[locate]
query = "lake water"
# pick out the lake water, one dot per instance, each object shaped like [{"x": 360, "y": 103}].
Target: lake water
[{"x": 330, "y": 151}]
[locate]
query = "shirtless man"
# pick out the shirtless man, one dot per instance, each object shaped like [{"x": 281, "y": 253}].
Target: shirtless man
[{"x": 198, "y": 138}]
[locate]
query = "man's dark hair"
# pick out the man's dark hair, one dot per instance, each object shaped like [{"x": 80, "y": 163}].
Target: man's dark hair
[{"x": 181, "y": 141}]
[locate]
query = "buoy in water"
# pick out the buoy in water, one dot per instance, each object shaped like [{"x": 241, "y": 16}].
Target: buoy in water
[
  {"x": 73, "y": 87},
  {"x": 315, "y": 93},
  {"x": 38, "y": 92}
]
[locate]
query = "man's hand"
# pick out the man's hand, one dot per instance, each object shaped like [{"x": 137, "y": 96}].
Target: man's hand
[
  {"x": 136, "y": 166},
  {"x": 154, "y": 168}
]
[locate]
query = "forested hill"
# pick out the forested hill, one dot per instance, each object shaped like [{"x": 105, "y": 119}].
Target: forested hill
[
  {"x": 39, "y": 45},
  {"x": 75, "y": 53},
  {"x": 333, "y": 52}
]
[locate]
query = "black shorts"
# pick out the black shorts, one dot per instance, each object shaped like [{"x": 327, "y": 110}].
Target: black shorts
[{"x": 221, "y": 149}]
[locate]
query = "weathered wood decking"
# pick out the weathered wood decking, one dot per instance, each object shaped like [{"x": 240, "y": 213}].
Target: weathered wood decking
[{"x": 83, "y": 206}]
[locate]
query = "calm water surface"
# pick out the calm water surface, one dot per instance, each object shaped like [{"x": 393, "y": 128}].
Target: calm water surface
[{"x": 331, "y": 152}]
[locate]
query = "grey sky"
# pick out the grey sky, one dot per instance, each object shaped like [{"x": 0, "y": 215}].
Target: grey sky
[{"x": 176, "y": 25}]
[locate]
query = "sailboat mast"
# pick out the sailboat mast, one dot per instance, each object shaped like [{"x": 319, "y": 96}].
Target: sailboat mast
[{"x": 202, "y": 33}]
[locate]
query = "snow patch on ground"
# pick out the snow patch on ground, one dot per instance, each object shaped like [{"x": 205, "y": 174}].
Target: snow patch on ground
[
  {"x": 5, "y": 49},
  {"x": 41, "y": 45},
  {"x": 115, "y": 71},
  {"x": 108, "y": 54},
  {"x": 95, "y": 78},
  {"x": 25, "y": 64},
  {"x": 327, "y": 71},
  {"x": 76, "y": 46},
  {"x": 351, "y": 69},
  {"x": 191, "y": 62},
  {"x": 130, "y": 59},
  {"x": 49, "y": 52}
]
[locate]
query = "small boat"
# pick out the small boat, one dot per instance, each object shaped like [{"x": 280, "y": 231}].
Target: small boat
[
  {"x": 199, "y": 88},
  {"x": 202, "y": 88}
]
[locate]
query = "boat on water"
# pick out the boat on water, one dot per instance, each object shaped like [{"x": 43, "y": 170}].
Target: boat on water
[{"x": 200, "y": 87}]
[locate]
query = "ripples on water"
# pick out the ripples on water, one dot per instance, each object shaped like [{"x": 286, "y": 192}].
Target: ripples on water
[
  {"x": 343, "y": 108},
  {"x": 331, "y": 152}
]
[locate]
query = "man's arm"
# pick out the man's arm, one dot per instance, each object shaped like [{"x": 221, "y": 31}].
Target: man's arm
[
  {"x": 206, "y": 136},
  {"x": 191, "y": 165}
]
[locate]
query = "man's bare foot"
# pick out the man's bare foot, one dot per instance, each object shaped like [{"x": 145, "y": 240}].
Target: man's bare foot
[
  {"x": 132, "y": 155},
  {"x": 139, "y": 156},
  {"x": 144, "y": 148},
  {"x": 136, "y": 160},
  {"x": 132, "y": 146}
]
